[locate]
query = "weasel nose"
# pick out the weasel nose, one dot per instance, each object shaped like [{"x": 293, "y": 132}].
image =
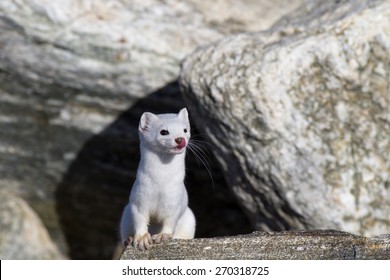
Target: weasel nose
[{"x": 179, "y": 140}]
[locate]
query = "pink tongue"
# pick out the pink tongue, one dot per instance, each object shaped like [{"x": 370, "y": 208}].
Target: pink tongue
[{"x": 182, "y": 144}]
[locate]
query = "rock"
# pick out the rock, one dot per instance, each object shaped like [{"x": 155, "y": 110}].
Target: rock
[
  {"x": 304, "y": 245},
  {"x": 22, "y": 234},
  {"x": 299, "y": 117},
  {"x": 75, "y": 76},
  {"x": 229, "y": 16}
]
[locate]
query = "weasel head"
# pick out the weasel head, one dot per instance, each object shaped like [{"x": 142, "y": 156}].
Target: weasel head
[{"x": 165, "y": 133}]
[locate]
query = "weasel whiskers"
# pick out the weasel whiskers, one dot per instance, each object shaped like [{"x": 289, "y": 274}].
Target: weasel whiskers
[{"x": 201, "y": 156}]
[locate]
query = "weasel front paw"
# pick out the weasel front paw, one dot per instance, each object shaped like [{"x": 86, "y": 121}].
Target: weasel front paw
[
  {"x": 161, "y": 237},
  {"x": 142, "y": 242},
  {"x": 128, "y": 241}
]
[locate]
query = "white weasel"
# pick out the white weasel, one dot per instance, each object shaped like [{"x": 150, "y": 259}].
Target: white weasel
[{"x": 158, "y": 204}]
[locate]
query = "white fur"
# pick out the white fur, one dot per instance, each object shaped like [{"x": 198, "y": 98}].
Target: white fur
[{"x": 158, "y": 202}]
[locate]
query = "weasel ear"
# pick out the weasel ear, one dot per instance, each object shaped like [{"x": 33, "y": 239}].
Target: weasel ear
[
  {"x": 183, "y": 114},
  {"x": 146, "y": 120}
]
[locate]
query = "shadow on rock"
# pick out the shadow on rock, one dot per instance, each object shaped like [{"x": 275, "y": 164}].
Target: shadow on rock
[{"x": 96, "y": 186}]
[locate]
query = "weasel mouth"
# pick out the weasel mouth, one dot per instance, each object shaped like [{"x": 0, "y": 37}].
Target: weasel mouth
[{"x": 181, "y": 145}]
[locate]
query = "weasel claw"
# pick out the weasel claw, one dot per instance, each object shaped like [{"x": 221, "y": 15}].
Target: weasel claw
[
  {"x": 143, "y": 242},
  {"x": 161, "y": 237},
  {"x": 128, "y": 241}
]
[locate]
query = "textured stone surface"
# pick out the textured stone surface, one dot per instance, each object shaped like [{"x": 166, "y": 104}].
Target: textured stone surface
[
  {"x": 307, "y": 245},
  {"x": 22, "y": 234},
  {"x": 231, "y": 16},
  {"x": 300, "y": 116},
  {"x": 75, "y": 76}
]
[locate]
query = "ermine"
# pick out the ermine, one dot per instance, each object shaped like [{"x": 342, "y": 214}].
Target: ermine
[{"x": 158, "y": 205}]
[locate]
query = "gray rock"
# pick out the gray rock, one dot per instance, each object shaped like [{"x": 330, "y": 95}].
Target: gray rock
[
  {"x": 300, "y": 117},
  {"x": 22, "y": 234},
  {"x": 305, "y": 245},
  {"x": 230, "y": 16},
  {"x": 75, "y": 76}
]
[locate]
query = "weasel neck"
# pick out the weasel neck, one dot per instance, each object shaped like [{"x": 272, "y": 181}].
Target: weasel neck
[{"x": 162, "y": 166}]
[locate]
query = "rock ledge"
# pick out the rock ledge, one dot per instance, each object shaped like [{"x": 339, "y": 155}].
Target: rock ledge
[{"x": 286, "y": 245}]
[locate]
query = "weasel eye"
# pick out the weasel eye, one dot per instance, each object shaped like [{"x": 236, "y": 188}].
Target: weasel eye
[
  {"x": 164, "y": 132},
  {"x": 185, "y": 130}
]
